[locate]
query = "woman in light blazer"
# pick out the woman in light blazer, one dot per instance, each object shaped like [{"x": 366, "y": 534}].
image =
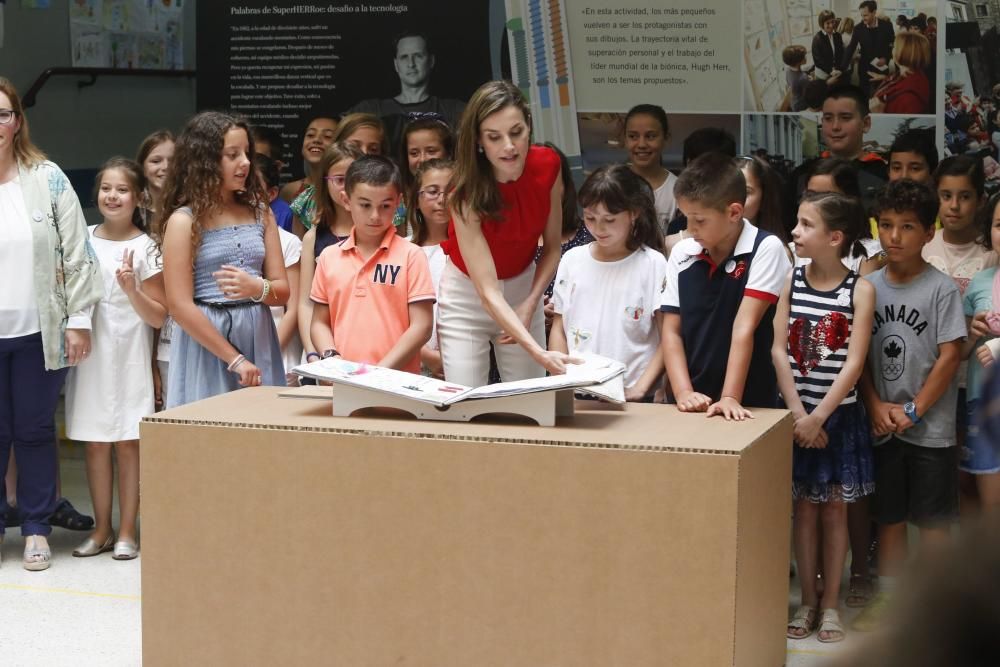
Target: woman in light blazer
[{"x": 50, "y": 280}]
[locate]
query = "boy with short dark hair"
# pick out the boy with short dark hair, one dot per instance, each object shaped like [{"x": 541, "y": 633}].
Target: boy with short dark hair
[
  {"x": 913, "y": 155},
  {"x": 723, "y": 282},
  {"x": 844, "y": 120},
  {"x": 373, "y": 293},
  {"x": 910, "y": 385}
]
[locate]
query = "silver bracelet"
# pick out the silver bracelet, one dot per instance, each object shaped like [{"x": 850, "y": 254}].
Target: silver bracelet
[{"x": 235, "y": 363}]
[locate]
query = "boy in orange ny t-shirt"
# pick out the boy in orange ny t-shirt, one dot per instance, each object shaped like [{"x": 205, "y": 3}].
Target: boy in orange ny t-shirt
[{"x": 373, "y": 293}]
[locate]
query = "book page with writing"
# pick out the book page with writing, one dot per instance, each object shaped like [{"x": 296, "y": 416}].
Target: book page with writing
[{"x": 398, "y": 383}]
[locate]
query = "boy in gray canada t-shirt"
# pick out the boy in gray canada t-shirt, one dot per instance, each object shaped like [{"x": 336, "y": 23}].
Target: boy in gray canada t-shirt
[
  {"x": 911, "y": 320},
  {"x": 910, "y": 387}
]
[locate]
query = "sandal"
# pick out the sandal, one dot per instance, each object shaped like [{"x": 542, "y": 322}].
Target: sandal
[
  {"x": 66, "y": 516},
  {"x": 830, "y": 624},
  {"x": 36, "y": 559},
  {"x": 860, "y": 591},
  {"x": 802, "y": 624}
]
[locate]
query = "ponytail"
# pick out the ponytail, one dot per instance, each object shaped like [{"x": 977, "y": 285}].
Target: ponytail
[{"x": 844, "y": 214}]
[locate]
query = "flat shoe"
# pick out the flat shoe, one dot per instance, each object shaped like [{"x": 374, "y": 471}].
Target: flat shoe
[
  {"x": 125, "y": 550},
  {"x": 804, "y": 621},
  {"x": 36, "y": 560},
  {"x": 831, "y": 625},
  {"x": 91, "y": 548}
]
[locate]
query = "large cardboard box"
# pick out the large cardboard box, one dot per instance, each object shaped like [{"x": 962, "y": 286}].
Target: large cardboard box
[{"x": 276, "y": 534}]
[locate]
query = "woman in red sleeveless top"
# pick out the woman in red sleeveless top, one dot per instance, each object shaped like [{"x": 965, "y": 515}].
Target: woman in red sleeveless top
[{"x": 506, "y": 195}]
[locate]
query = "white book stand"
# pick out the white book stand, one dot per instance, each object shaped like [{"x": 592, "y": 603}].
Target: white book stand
[{"x": 542, "y": 407}]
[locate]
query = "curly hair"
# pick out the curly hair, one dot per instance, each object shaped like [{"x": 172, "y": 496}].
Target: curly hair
[
  {"x": 195, "y": 176},
  {"x": 904, "y": 196}
]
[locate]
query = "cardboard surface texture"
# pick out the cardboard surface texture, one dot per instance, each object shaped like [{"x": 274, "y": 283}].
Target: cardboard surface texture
[{"x": 274, "y": 533}]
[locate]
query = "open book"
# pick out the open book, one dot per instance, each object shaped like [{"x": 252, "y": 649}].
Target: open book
[{"x": 598, "y": 375}]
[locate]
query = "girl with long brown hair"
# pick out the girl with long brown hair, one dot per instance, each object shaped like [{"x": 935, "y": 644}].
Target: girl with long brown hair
[{"x": 222, "y": 263}]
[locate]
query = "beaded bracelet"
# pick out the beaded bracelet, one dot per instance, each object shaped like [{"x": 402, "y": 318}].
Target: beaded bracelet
[{"x": 264, "y": 293}]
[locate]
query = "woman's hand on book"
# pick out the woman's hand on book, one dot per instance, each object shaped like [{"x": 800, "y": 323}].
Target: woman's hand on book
[{"x": 555, "y": 362}]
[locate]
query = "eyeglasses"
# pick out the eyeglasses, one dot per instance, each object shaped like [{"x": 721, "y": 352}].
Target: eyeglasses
[
  {"x": 336, "y": 180},
  {"x": 6, "y": 116},
  {"x": 432, "y": 193}
]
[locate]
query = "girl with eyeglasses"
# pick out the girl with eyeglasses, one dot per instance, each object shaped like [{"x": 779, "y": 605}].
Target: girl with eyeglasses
[
  {"x": 366, "y": 134},
  {"x": 51, "y": 280},
  {"x": 333, "y": 225},
  {"x": 428, "y": 218},
  {"x": 425, "y": 138}
]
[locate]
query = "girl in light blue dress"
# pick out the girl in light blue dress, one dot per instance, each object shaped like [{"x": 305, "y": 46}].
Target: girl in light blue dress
[{"x": 222, "y": 264}]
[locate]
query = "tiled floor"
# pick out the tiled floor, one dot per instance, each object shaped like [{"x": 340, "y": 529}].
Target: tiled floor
[{"x": 86, "y": 611}]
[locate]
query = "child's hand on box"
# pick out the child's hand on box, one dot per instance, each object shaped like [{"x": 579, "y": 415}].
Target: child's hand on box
[
  {"x": 692, "y": 401},
  {"x": 729, "y": 408}
]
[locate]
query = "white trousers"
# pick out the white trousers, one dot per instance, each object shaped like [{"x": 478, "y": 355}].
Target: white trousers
[{"x": 465, "y": 330}]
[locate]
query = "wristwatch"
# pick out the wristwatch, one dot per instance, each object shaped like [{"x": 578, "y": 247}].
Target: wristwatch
[
  {"x": 327, "y": 354},
  {"x": 910, "y": 410}
]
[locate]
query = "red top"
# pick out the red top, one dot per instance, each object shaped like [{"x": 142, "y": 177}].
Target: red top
[
  {"x": 909, "y": 94},
  {"x": 513, "y": 240}
]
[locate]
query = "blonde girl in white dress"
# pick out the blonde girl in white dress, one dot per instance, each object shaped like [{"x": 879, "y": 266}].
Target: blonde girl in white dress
[{"x": 112, "y": 390}]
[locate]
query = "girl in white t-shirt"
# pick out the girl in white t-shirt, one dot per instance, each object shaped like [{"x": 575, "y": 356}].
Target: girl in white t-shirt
[
  {"x": 608, "y": 292},
  {"x": 112, "y": 390},
  {"x": 427, "y": 216},
  {"x": 646, "y": 133}
]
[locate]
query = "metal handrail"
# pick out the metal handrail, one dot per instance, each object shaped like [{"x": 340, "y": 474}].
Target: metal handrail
[{"x": 30, "y": 97}]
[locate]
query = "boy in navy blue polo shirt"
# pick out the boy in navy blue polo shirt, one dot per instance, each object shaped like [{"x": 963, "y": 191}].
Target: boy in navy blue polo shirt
[{"x": 723, "y": 281}]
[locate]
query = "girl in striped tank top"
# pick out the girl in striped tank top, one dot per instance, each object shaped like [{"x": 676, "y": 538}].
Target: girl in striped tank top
[{"x": 822, "y": 328}]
